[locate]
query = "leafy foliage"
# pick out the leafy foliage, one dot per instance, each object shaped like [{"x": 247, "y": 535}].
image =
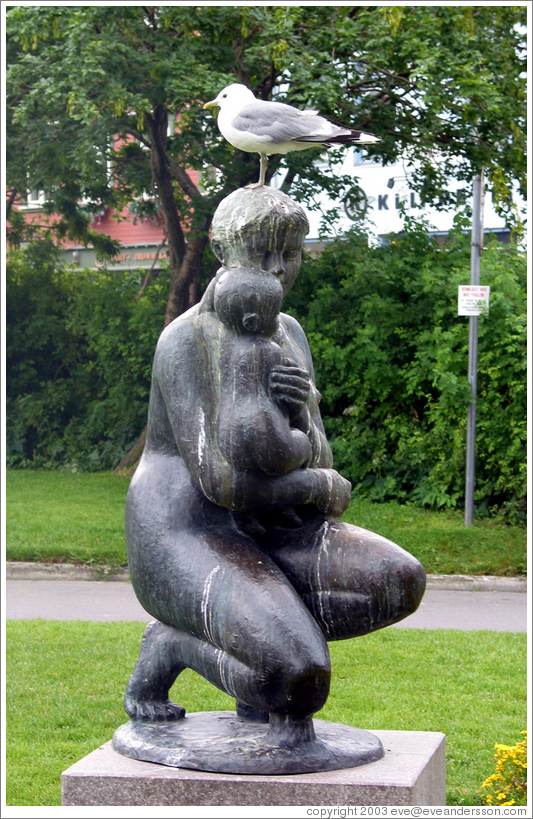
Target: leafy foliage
[
  {"x": 391, "y": 360},
  {"x": 390, "y": 356},
  {"x": 92, "y": 88},
  {"x": 78, "y": 360}
]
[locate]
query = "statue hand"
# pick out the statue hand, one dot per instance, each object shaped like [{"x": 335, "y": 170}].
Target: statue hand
[
  {"x": 289, "y": 385},
  {"x": 334, "y": 493}
]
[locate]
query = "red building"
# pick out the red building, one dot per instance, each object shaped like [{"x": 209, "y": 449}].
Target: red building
[{"x": 139, "y": 237}]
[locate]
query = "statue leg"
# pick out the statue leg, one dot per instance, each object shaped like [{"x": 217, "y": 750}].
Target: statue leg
[
  {"x": 229, "y": 613},
  {"x": 161, "y": 659},
  {"x": 353, "y": 581}
]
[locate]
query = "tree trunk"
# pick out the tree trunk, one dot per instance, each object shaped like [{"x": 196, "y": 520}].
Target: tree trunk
[
  {"x": 10, "y": 199},
  {"x": 195, "y": 288},
  {"x": 129, "y": 462},
  {"x": 157, "y": 124},
  {"x": 185, "y": 258},
  {"x": 183, "y": 285}
]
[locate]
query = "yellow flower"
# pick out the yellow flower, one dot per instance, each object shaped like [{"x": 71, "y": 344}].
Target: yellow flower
[{"x": 508, "y": 785}]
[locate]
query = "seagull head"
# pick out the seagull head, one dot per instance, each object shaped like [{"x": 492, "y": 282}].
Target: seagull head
[{"x": 232, "y": 95}]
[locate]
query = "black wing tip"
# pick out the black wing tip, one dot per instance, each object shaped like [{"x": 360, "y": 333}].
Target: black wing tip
[{"x": 353, "y": 136}]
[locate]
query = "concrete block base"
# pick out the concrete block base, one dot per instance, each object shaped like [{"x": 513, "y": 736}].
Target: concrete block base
[{"x": 412, "y": 772}]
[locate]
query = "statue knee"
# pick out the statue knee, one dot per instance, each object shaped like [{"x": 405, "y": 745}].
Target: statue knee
[
  {"x": 405, "y": 586},
  {"x": 308, "y": 689},
  {"x": 414, "y": 579},
  {"x": 299, "y": 685}
]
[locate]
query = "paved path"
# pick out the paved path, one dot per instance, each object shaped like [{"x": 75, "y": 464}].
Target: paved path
[{"x": 113, "y": 601}]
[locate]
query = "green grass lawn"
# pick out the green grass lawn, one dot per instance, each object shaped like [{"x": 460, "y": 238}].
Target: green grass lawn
[
  {"x": 65, "y": 683},
  {"x": 441, "y": 541},
  {"x": 60, "y": 517},
  {"x": 72, "y": 518}
]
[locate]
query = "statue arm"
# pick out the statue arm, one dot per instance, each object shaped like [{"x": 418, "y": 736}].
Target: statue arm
[
  {"x": 323, "y": 488},
  {"x": 181, "y": 372},
  {"x": 308, "y": 419}
]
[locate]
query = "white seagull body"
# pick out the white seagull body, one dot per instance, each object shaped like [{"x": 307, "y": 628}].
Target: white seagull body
[{"x": 257, "y": 126}]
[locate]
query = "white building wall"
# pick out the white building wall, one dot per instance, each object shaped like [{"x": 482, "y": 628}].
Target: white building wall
[{"x": 387, "y": 189}]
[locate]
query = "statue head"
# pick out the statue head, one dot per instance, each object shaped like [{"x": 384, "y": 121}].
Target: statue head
[
  {"x": 260, "y": 229},
  {"x": 248, "y": 300}
]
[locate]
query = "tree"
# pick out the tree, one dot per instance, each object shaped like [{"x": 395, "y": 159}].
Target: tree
[{"x": 91, "y": 90}]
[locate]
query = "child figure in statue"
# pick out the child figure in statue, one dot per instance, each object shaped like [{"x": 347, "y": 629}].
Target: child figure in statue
[
  {"x": 232, "y": 516},
  {"x": 253, "y": 429},
  {"x": 257, "y": 428}
]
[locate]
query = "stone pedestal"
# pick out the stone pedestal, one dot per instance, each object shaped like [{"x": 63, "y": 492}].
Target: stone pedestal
[{"x": 412, "y": 772}]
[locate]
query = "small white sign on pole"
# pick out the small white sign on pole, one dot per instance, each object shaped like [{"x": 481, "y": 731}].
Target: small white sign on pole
[{"x": 473, "y": 299}]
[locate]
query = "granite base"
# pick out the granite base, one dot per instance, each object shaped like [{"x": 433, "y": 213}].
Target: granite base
[{"x": 412, "y": 772}]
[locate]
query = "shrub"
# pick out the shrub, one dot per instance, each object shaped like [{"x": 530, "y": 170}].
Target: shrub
[
  {"x": 78, "y": 360},
  {"x": 508, "y": 785},
  {"x": 390, "y": 354},
  {"x": 391, "y": 360}
]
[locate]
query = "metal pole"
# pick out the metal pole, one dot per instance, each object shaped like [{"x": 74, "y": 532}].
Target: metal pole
[{"x": 477, "y": 244}]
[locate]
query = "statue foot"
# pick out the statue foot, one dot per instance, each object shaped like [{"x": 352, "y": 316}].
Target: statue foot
[
  {"x": 249, "y": 714},
  {"x": 255, "y": 185},
  {"x": 153, "y": 710},
  {"x": 287, "y": 731},
  {"x": 159, "y": 664}
]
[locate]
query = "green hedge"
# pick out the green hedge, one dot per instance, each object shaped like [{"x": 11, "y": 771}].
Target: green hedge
[
  {"x": 391, "y": 360},
  {"x": 78, "y": 360},
  {"x": 390, "y": 355}
]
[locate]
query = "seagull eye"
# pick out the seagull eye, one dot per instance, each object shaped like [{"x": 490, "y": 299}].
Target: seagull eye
[{"x": 224, "y": 96}]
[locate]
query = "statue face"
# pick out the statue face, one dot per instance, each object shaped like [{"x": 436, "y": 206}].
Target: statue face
[
  {"x": 248, "y": 301},
  {"x": 282, "y": 258},
  {"x": 260, "y": 229},
  {"x": 272, "y": 248}
]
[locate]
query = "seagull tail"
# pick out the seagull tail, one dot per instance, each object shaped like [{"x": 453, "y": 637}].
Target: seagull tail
[
  {"x": 346, "y": 137},
  {"x": 353, "y": 136}
]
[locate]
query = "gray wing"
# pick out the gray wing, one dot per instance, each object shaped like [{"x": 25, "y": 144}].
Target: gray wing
[{"x": 283, "y": 123}]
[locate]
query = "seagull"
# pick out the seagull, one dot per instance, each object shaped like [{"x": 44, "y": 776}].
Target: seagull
[{"x": 258, "y": 126}]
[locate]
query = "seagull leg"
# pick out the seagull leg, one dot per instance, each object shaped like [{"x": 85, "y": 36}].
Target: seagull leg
[
  {"x": 262, "y": 173},
  {"x": 262, "y": 169}
]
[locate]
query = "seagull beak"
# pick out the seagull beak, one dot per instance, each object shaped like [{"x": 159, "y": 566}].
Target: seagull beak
[{"x": 212, "y": 104}]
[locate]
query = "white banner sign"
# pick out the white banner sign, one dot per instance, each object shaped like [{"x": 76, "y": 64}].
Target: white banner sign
[{"x": 473, "y": 299}]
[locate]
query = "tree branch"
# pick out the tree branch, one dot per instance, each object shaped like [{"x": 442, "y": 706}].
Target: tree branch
[
  {"x": 149, "y": 274},
  {"x": 183, "y": 179},
  {"x": 402, "y": 78},
  {"x": 268, "y": 83},
  {"x": 150, "y": 13},
  {"x": 140, "y": 137},
  {"x": 287, "y": 182},
  {"x": 122, "y": 160}
]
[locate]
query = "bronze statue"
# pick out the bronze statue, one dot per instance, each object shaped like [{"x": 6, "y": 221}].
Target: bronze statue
[{"x": 232, "y": 516}]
